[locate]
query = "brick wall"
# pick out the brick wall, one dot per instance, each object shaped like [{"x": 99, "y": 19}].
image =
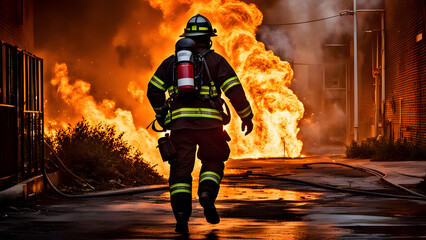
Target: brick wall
[
  {"x": 17, "y": 23},
  {"x": 405, "y": 111}
]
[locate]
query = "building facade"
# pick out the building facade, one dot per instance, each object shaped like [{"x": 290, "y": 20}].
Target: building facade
[{"x": 405, "y": 84}]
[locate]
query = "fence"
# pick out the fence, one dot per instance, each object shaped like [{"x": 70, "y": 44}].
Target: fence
[{"x": 21, "y": 115}]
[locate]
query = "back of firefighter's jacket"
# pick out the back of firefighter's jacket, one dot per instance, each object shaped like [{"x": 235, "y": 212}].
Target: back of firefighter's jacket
[{"x": 197, "y": 113}]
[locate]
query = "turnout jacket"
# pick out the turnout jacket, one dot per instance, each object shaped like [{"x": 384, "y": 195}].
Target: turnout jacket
[{"x": 198, "y": 114}]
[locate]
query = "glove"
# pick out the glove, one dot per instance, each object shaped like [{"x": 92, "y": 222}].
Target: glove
[{"x": 248, "y": 124}]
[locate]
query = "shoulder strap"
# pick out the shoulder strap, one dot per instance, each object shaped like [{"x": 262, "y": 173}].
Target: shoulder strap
[
  {"x": 214, "y": 99},
  {"x": 212, "y": 90}
]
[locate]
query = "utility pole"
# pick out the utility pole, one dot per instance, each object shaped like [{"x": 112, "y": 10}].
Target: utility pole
[{"x": 354, "y": 12}]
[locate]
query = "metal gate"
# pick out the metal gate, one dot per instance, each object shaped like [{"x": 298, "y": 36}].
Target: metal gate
[{"x": 21, "y": 115}]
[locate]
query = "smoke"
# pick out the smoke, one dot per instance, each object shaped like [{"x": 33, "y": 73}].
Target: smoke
[
  {"x": 303, "y": 45},
  {"x": 107, "y": 43},
  {"x": 285, "y": 47}
]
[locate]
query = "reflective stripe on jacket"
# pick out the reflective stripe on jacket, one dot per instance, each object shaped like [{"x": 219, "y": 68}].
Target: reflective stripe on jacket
[{"x": 193, "y": 113}]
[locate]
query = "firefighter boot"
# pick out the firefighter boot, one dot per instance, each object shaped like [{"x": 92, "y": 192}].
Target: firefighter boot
[
  {"x": 208, "y": 189},
  {"x": 207, "y": 202},
  {"x": 182, "y": 207},
  {"x": 181, "y": 223}
]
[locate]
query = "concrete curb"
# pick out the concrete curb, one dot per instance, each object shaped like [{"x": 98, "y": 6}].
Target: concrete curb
[{"x": 22, "y": 190}]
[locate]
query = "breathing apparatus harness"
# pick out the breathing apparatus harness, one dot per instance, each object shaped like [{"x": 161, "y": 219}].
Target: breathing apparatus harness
[{"x": 187, "y": 86}]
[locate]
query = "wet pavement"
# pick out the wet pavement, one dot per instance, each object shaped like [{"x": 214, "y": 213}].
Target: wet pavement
[{"x": 250, "y": 207}]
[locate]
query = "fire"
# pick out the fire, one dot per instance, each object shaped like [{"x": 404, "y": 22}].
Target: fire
[
  {"x": 78, "y": 96},
  {"x": 136, "y": 91},
  {"x": 264, "y": 76}
]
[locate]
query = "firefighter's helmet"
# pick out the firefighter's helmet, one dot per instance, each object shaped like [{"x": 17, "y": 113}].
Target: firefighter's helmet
[{"x": 199, "y": 25}]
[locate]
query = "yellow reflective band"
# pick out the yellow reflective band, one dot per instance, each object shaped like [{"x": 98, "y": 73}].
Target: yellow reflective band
[
  {"x": 180, "y": 190},
  {"x": 245, "y": 112},
  {"x": 203, "y": 28},
  {"x": 210, "y": 172},
  {"x": 158, "y": 83},
  {"x": 180, "y": 185},
  {"x": 230, "y": 82},
  {"x": 209, "y": 178},
  {"x": 194, "y": 28},
  {"x": 193, "y": 112},
  {"x": 246, "y": 115},
  {"x": 209, "y": 175},
  {"x": 205, "y": 90}
]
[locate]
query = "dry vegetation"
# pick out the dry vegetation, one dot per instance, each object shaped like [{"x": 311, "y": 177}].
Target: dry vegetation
[{"x": 100, "y": 155}]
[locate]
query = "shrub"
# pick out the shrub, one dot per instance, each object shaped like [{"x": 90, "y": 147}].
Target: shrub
[
  {"x": 101, "y": 155},
  {"x": 383, "y": 150}
]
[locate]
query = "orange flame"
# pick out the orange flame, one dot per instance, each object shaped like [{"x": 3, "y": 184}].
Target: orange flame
[
  {"x": 78, "y": 96},
  {"x": 136, "y": 92}
]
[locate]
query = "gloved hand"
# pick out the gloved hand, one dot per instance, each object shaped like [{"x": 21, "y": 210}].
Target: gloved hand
[{"x": 248, "y": 124}]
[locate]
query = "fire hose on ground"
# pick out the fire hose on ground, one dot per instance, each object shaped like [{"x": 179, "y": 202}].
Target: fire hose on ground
[
  {"x": 108, "y": 193},
  {"x": 374, "y": 172},
  {"x": 248, "y": 174},
  {"x": 329, "y": 187},
  {"x": 133, "y": 190}
]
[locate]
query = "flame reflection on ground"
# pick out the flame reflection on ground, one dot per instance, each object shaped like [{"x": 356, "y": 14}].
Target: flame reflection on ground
[{"x": 256, "y": 192}]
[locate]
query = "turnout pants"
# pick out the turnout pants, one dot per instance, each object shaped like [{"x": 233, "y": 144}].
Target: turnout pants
[{"x": 213, "y": 151}]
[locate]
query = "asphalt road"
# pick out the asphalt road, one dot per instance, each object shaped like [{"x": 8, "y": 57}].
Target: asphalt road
[{"x": 250, "y": 208}]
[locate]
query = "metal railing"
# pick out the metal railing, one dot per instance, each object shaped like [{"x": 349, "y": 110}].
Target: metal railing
[{"x": 21, "y": 115}]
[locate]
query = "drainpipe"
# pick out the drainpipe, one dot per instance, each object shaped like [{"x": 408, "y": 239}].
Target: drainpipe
[
  {"x": 375, "y": 72},
  {"x": 400, "y": 118},
  {"x": 376, "y": 90},
  {"x": 355, "y": 76},
  {"x": 377, "y": 106}
]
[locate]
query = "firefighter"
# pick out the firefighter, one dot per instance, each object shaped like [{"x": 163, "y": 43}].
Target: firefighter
[{"x": 196, "y": 119}]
